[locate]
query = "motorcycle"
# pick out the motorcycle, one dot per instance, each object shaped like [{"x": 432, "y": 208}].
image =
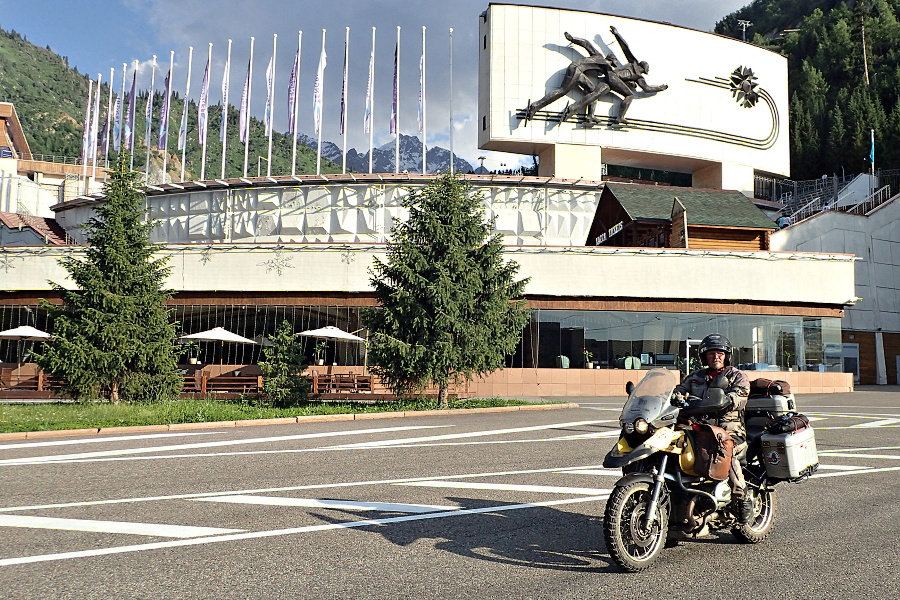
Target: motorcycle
[{"x": 661, "y": 499}]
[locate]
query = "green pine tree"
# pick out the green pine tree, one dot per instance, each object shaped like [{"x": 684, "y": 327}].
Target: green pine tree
[
  {"x": 451, "y": 308},
  {"x": 283, "y": 382},
  {"x": 112, "y": 336}
]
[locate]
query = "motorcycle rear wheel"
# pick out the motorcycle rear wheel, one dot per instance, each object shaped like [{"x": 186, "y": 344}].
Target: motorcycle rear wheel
[
  {"x": 763, "y": 518},
  {"x": 633, "y": 547}
]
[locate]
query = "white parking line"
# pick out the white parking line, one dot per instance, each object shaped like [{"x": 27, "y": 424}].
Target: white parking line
[
  {"x": 842, "y": 467},
  {"x": 318, "y": 503},
  {"x": 507, "y": 487},
  {"x": 100, "y": 440},
  {"x": 155, "y": 529},
  {"x": 279, "y": 532},
  {"x": 218, "y": 443}
]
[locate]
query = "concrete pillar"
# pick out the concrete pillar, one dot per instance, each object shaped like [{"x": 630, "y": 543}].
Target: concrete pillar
[
  {"x": 571, "y": 161},
  {"x": 725, "y": 176}
]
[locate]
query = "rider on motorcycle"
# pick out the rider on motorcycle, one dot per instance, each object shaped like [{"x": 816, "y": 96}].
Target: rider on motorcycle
[{"x": 715, "y": 355}]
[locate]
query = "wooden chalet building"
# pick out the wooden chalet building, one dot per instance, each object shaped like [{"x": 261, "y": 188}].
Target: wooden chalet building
[{"x": 634, "y": 215}]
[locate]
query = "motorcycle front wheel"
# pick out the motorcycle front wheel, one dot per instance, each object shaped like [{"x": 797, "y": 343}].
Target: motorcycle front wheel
[
  {"x": 632, "y": 546},
  {"x": 763, "y": 518}
]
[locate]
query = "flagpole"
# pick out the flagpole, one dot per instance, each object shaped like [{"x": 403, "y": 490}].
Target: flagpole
[
  {"x": 371, "y": 100},
  {"x": 294, "y": 90},
  {"x": 165, "y": 125},
  {"x": 320, "y": 78},
  {"x": 397, "y": 103},
  {"x": 450, "y": 100},
  {"x": 223, "y": 135},
  {"x": 132, "y": 111},
  {"x": 121, "y": 115},
  {"x": 112, "y": 73},
  {"x": 271, "y": 93},
  {"x": 344, "y": 100},
  {"x": 203, "y": 107},
  {"x": 182, "y": 131},
  {"x": 247, "y": 122},
  {"x": 149, "y": 124},
  {"x": 424, "y": 111},
  {"x": 95, "y": 122},
  {"x": 85, "y": 135}
]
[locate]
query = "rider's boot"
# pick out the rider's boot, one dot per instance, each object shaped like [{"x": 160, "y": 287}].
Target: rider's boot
[{"x": 745, "y": 510}]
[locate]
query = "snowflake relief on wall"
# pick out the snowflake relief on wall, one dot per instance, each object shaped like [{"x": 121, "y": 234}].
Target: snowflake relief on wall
[
  {"x": 6, "y": 261},
  {"x": 744, "y": 87},
  {"x": 278, "y": 263},
  {"x": 206, "y": 254}
]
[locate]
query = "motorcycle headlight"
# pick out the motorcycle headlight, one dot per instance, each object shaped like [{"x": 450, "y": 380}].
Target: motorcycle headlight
[{"x": 641, "y": 426}]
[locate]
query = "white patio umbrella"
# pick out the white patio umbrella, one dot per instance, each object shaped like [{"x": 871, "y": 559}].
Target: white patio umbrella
[
  {"x": 217, "y": 334},
  {"x": 23, "y": 333},
  {"x": 336, "y": 333}
]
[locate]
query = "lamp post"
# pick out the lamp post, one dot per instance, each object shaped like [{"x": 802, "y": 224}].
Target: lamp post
[{"x": 743, "y": 24}]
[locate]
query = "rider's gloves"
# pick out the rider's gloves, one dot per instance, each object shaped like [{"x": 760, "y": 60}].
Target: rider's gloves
[{"x": 678, "y": 400}]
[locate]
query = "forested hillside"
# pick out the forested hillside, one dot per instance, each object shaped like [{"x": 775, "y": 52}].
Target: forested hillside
[
  {"x": 50, "y": 100},
  {"x": 833, "y": 104}
]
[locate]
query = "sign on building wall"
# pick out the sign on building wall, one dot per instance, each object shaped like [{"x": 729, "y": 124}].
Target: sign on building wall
[{"x": 647, "y": 93}]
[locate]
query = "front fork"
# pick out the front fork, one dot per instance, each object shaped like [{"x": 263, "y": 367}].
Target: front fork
[{"x": 658, "y": 480}]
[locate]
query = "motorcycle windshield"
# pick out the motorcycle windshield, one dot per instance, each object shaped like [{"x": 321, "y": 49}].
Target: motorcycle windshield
[{"x": 650, "y": 397}]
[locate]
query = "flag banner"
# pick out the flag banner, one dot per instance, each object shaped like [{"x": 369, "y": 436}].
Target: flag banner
[
  {"x": 872, "y": 150},
  {"x": 86, "y": 132},
  {"x": 225, "y": 77},
  {"x": 104, "y": 136},
  {"x": 148, "y": 116},
  {"x": 344, "y": 91},
  {"x": 164, "y": 114},
  {"x": 244, "y": 122},
  {"x": 421, "y": 93},
  {"x": 367, "y": 119},
  {"x": 117, "y": 127},
  {"x": 203, "y": 106},
  {"x": 95, "y": 125},
  {"x": 317, "y": 91},
  {"x": 129, "y": 114},
  {"x": 292, "y": 94},
  {"x": 396, "y": 85},
  {"x": 270, "y": 84}
]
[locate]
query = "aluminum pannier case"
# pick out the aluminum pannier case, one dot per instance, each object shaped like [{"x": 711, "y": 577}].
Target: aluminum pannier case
[{"x": 790, "y": 455}]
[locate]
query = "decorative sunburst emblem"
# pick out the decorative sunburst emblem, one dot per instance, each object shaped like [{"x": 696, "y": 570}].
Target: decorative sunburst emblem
[{"x": 743, "y": 87}]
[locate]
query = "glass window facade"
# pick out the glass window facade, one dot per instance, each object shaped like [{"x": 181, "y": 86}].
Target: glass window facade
[
  {"x": 553, "y": 339},
  {"x": 559, "y": 338}
]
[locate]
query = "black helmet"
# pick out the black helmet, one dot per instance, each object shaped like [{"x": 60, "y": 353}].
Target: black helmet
[{"x": 715, "y": 341}]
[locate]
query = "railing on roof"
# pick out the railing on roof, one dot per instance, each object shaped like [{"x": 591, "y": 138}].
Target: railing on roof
[{"x": 872, "y": 202}]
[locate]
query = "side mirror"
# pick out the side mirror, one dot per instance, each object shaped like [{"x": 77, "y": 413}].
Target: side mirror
[{"x": 629, "y": 387}]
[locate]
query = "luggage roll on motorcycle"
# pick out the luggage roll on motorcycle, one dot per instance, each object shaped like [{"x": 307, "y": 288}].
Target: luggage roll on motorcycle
[{"x": 675, "y": 475}]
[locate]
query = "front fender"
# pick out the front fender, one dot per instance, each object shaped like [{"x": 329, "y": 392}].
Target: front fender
[{"x": 634, "y": 477}]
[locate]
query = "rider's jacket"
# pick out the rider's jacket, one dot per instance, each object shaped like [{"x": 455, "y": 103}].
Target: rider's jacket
[{"x": 737, "y": 387}]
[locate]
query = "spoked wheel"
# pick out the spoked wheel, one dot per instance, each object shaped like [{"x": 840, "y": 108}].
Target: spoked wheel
[
  {"x": 763, "y": 518},
  {"x": 633, "y": 546}
]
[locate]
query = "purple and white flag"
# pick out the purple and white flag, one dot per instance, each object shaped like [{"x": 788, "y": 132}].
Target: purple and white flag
[
  {"x": 86, "y": 132},
  {"x": 129, "y": 113},
  {"x": 367, "y": 119},
  {"x": 396, "y": 86},
  {"x": 148, "y": 115},
  {"x": 164, "y": 115},
  {"x": 203, "y": 105},
  {"x": 225, "y": 77},
  {"x": 117, "y": 128},
  {"x": 270, "y": 90},
  {"x": 344, "y": 92},
  {"x": 95, "y": 125},
  {"x": 422, "y": 93},
  {"x": 244, "y": 123},
  {"x": 317, "y": 91},
  {"x": 292, "y": 94}
]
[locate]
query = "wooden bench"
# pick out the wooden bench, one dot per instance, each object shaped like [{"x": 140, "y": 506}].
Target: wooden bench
[{"x": 349, "y": 383}]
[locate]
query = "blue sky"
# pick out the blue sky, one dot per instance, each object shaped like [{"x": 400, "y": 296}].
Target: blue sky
[{"x": 97, "y": 35}]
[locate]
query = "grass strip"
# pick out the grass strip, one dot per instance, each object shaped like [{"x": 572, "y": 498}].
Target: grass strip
[{"x": 68, "y": 415}]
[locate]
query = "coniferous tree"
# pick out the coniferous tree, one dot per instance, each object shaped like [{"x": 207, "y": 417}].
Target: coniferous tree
[
  {"x": 282, "y": 369},
  {"x": 112, "y": 336},
  {"x": 451, "y": 308}
]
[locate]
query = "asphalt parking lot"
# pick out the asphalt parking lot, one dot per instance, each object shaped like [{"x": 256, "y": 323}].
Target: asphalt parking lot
[{"x": 494, "y": 505}]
